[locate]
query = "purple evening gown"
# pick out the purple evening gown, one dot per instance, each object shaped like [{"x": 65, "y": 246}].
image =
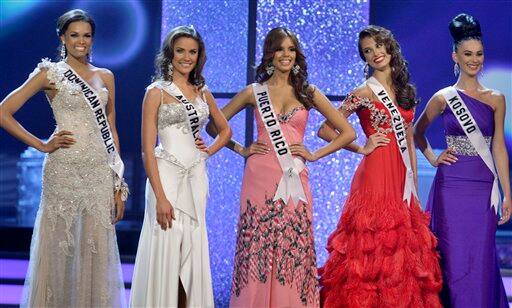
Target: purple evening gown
[{"x": 463, "y": 219}]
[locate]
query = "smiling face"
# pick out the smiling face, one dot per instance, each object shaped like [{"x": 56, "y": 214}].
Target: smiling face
[
  {"x": 375, "y": 54},
  {"x": 284, "y": 56},
  {"x": 78, "y": 39},
  {"x": 185, "y": 55},
  {"x": 470, "y": 56}
]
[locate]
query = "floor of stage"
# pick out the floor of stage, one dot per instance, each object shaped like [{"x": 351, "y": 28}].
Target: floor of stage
[{"x": 12, "y": 275}]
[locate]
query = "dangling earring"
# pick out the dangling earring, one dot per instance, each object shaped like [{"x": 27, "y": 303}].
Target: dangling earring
[
  {"x": 270, "y": 69},
  {"x": 63, "y": 51},
  {"x": 90, "y": 55},
  {"x": 296, "y": 69},
  {"x": 170, "y": 69},
  {"x": 366, "y": 70},
  {"x": 481, "y": 71},
  {"x": 456, "y": 69}
]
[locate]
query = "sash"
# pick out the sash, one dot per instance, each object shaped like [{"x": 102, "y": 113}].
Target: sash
[
  {"x": 192, "y": 115},
  {"x": 290, "y": 184},
  {"x": 398, "y": 125},
  {"x": 474, "y": 134},
  {"x": 93, "y": 101}
]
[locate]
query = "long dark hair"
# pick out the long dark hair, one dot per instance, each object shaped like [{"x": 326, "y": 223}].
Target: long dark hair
[
  {"x": 164, "y": 57},
  {"x": 66, "y": 19},
  {"x": 405, "y": 92},
  {"x": 298, "y": 81},
  {"x": 464, "y": 27}
]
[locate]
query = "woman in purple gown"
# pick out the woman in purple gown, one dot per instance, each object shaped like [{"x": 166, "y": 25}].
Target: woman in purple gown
[{"x": 462, "y": 200}]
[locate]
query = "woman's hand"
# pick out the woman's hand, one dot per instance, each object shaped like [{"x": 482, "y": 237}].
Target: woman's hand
[
  {"x": 201, "y": 145},
  {"x": 164, "y": 213},
  {"x": 374, "y": 141},
  {"x": 446, "y": 157},
  {"x": 119, "y": 210},
  {"x": 506, "y": 211},
  {"x": 257, "y": 147},
  {"x": 57, "y": 141},
  {"x": 300, "y": 150}
]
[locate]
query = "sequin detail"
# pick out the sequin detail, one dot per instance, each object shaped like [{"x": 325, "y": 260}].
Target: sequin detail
[
  {"x": 463, "y": 146},
  {"x": 74, "y": 229},
  {"x": 163, "y": 154},
  {"x": 174, "y": 114},
  {"x": 285, "y": 117},
  {"x": 380, "y": 120},
  {"x": 83, "y": 165},
  {"x": 276, "y": 238}
]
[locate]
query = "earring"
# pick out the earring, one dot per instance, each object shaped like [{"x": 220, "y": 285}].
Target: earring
[
  {"x": 481, "y": 73},
  {"x": 456, "y": 69},
  {"x": 296, "y": 69},
  {"x": 270, "y": 69},
  {"x": 63, "y": 51},
  {"x": 366, "y": 70},
  {"x": 170, "y": 70},
  {"x": 90, "y": 55}
]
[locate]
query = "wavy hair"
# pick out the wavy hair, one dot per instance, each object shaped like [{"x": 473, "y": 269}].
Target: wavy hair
[
  {"x": 299, "y": 82},
  {"x": 166, "y": 54},
  {"x": 404, "y": 90}
]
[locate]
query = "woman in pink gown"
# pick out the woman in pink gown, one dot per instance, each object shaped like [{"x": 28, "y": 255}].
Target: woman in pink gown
[{"x": 275, "y": 259}]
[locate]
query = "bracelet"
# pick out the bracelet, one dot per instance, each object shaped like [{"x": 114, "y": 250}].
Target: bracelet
[{"x": 123, "y": 188}]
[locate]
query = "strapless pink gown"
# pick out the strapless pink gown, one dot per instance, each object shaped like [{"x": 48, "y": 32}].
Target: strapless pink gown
[{"x": 275, "y": 259}]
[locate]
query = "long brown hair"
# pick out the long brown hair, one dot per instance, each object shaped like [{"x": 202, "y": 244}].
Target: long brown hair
[
  {"x": 405, "y": 92},
  {"x": 164, "y": 57},
  {"x": 298, "y": 81}
]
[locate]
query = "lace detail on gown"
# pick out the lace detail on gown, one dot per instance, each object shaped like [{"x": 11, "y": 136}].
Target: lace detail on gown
[{"x": 74, "y": 250}]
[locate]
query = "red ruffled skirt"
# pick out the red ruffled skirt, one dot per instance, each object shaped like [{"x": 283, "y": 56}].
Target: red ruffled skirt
[{"x": 382, "y": 254}]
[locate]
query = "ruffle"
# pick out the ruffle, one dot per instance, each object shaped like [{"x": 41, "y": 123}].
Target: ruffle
[
  {"x": 55, "y": 75},
  {"x": 382, "y": 254}
]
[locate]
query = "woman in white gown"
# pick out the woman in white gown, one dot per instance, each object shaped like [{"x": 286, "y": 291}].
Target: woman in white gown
[
  {"x": 172, "y": 267},
  {"x": 74, "y": 261}
]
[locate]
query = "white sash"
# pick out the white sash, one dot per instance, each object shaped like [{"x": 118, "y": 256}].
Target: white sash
[
  {"x": 474, "y": 134},
  {"x": 290, "y": 184},
  {"x": 192, "y": 115},
  {"x": 98, "y": 109},
  {"x": 398, "y": 125}
]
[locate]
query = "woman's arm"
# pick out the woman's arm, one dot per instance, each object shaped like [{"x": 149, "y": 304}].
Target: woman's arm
[
  {"x": 435, "y": 107},
  {"x": 15, "y": 100},
  {"x": 499, "y": 152},
  {"x": 409, "y": 136},
  {"x": 220, "y": 123},
  {"x": 328, "y": 133},
  {"x": 339, "y": 122},
  {"x": 241, "y": 100},
  {"x": 150, "y": 105},
  {"x": 109, "y": 80}
]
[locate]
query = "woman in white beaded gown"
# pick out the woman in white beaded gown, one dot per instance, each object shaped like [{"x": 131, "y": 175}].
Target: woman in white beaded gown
[
  {"x": 74, "y": 261},
  {"x": 172, "y": 267}
]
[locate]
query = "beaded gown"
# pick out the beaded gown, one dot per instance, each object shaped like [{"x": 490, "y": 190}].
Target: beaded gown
[
  {"x": 180, "y": 254},
  {"x": 382, "y": 253},
  {"x": 459, "y": 203},
  {"x": 275, "y": 259},
  {"x": 74, "y": 260}
]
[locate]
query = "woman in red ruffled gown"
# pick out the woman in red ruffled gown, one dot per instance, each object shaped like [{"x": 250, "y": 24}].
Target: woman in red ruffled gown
[{"x": 382, "y": 253}]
